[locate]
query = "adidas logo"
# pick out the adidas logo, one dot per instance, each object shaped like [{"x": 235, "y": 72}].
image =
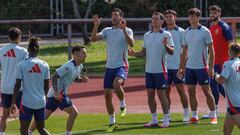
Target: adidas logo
[
  {"x": 35, "y": 69},
  {"x": 163, "y": 86},
  {"x": 10, "y": 53}
]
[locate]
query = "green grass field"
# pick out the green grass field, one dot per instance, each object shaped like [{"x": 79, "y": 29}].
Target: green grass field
[
  {"x": 56, "y": 55},
  {"x": 89, "y": 124}
]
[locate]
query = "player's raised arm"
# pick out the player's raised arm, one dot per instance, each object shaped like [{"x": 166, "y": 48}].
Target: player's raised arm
[
  {"x": 128, "y": 35},
  {"x": 94, "y": 35}
]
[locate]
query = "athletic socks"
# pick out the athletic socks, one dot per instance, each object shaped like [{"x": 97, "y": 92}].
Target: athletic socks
[
  {"x": 122, "y": 103},
  {"x": 195, "y": 114},
  {"x": 213, "y": 114},
  {"x": 68, "y": 132},
  {"x": 112, "y": 119},
  {"x": 154, "y": 118}
]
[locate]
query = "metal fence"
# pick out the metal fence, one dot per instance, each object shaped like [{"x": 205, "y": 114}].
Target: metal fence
[{"x": 63, "y": 9}]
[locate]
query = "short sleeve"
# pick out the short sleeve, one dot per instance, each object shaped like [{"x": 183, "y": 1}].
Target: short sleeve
[
  {"x": 170, "y": 40},
  {"x": 227, "y": 32},
  {"x": 62, "y": 70},
  {"x": 47, "y": 73},
  {"x": 144, "y": 41},
  {"x": 103, "y": 33},
  {"x": 207, "y": 37},
  {"x": 225, "y": 71},
  {"x": 19, "y": 74},
  {"x": 184, "y": 41},
  {"x": 129, "y": 32}
]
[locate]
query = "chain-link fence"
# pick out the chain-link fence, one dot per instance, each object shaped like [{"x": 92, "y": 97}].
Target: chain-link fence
[{"x": 59, "y": 9}]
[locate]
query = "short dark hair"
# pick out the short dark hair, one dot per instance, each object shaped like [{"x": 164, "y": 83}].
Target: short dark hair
[
  {"x": 194, "y": 11},
  {"x": 77, "y": 48},
  {"x": 119, "y": 11},
  {"x": 170, "y": 12},
  {"x": 14, "y": 33},
  {"x": 33, "y": 43},
  {"x": 160, "y": 14},
  {"x": 215, "y": 8},
  {"x": 235, "y": 47}
]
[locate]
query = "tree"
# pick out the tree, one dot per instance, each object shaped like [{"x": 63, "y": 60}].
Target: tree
[{"x": 76, "y": 12}]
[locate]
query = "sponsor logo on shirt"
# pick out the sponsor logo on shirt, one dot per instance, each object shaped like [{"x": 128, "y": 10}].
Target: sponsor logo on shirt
[
  {"x": 35, "y": 69},
  {"x": 10, "y": 53}
]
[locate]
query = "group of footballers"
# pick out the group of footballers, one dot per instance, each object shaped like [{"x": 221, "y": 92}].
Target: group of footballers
[{"x": 173, "y": 55}]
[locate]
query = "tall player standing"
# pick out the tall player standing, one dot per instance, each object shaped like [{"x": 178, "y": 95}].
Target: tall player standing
[
  {"x": 157, "y": 43},
  {"x": 197, "y": 43},
  {"x": 174, "y": 60},
  {"x": 33, "y": 74},
  {"x": 222, "y": 38},
  {"x": 118, "y": 37},
  {"x": 10, "y": 56}
]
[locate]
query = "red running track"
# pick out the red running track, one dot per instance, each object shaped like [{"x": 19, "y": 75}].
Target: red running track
[{"x": 89, "y": 98}]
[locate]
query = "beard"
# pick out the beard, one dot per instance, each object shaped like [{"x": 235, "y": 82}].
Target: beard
[{"x": 213, "y": 18}]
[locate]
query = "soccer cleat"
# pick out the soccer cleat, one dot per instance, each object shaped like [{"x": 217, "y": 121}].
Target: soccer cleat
[
  {"x": 194, "y": 120},
  {"x": 213, "y": 121},
  {"x": 123, "y": 111},
  {"x": 165, "y": 125},
  {"x": 150, "y": 124},
  {"x": 206, "y": 116},
  {"x": 112, "y": 127},
  {"x": 168, "y": 119},
  {"x": 185, "y": 119}
]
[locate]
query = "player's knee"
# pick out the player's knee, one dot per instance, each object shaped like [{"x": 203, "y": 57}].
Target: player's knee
[
  {"x": 117, "y": 85},
  {"x": 74, "y": 114}
]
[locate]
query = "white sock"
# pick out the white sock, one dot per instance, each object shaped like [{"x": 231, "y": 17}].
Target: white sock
[
  {"x": 186, "y": 111},
  {"x": 112, "y": 119},
  {"x": 169, "y": 113},
  {"x": 154, "y": 118},
  {"x": 195, "y": 114},
  {"x": 2, "y": 133},
  {"x": 29, "y": 132},
  {"x": 166, "y": 118},
  {"x": 68, "y": 132},
  {"x": 122, "y": 103},
  {"x": 213, "y": 114}
]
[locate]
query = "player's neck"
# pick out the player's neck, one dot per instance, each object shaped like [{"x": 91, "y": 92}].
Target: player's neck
[
  {"x": 216, "y": 22},
  {"x": 32, "y": 55},
  {"x": 195, "y": 25},
  {"x": 78, "y": 63},
  {"x": 171, "y": 26},
  {"x": 157, "y": 29},
  {"x": 14, "y": 42},
  {"x": 116, "y": 26}
]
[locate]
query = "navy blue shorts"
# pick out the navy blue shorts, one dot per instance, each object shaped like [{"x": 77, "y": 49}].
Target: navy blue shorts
[
  {"x": 110, "y": 75},
  {"x": 7, "y": 100},
  {"x": 53, "y": 104},
  {"x": 194, "y": 76},
  {"x": 233, "y": 110},
  {"x": 172, "y": 77},
  {"x": 27, "y": 113},
  {"x": 155, "y": 81}
]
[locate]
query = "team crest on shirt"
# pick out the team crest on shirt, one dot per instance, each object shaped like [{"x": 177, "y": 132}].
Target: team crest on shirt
[{"x": 216, "y": 31}]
